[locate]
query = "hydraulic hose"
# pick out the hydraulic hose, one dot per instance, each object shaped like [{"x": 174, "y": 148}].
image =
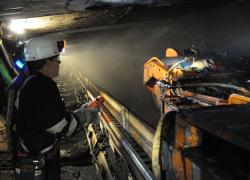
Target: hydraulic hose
[{"x": 223, "y": 85}]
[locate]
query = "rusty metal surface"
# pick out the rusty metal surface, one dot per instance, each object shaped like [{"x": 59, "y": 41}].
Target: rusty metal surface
[{"x": 231, "y": 123}]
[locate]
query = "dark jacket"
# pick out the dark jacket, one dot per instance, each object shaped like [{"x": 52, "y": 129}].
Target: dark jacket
[{"x": 41, "y": 113}]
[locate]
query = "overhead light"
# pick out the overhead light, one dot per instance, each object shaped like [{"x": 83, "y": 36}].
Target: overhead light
[
  {"x": 16, "y": 26},
  {"x": 20, "y": 25}
]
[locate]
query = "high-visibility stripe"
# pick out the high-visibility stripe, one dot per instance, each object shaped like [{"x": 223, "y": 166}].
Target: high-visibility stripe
[{"x": 58, "y": 127}]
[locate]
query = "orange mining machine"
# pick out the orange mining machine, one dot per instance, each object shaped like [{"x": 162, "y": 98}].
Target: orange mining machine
[{"x": 204, "y": 130}]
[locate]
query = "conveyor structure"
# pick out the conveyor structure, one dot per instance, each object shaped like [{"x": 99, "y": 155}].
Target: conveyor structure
[
  {"x": 203, "y": 131},
  {"x": 129, "y": 146}
]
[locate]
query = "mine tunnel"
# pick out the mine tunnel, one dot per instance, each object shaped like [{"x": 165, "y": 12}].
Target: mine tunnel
[{"x": 173, "y": 75}]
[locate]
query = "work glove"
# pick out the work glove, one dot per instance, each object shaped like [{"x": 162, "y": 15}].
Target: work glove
[
  {"x": 85, "y": 114},
  {"x": 88, "y": 112}
]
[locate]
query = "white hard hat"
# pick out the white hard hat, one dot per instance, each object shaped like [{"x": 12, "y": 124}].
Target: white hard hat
[{"x": 40, "y": 48}]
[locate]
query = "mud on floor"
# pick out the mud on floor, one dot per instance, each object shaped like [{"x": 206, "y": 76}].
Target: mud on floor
[{"x": 79, "y": 173}]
